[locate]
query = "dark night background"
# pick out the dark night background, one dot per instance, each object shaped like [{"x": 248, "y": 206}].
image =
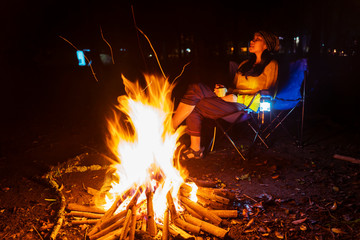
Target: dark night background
[{"x": 43, "y": 89}]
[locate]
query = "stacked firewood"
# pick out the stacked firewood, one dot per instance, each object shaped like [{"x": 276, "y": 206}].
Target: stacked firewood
[{"x": 202, "y": 217}]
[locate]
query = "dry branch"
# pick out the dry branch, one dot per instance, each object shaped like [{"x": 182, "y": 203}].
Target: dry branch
[{"x": 346, "y": 158}]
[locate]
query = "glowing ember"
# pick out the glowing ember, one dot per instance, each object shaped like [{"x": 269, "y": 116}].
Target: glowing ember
[{"x": 142, "y": 138}]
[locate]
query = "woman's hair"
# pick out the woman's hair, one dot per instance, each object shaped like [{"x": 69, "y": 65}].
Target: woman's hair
[{"x": 249, "y": 69}]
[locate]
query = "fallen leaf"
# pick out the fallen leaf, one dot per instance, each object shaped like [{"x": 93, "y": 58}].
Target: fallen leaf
[
  {"x": 337, "y": 230},
  {"x": 279, "y": 235},
  {"x": 250, "y": 222},
  {"x": 243, "y": 177},
  {"x": 275, "y": 176},
  {"x": 296, "y": 222},
  {"x": 303, "y": 228},
  {"x": 334, "y": 206}
]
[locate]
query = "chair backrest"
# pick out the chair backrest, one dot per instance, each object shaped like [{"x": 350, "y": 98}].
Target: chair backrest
[{"x": 289, "y": 89}]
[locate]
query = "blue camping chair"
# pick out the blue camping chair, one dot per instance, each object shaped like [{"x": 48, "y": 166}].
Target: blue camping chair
[{"x": 290, "y": 95}]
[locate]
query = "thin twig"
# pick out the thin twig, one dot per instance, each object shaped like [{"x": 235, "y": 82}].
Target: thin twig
[
  {"x": 38, "y": 233},
  {"x": 157, "y": 59},
  {"x": 89, "y": 62},
  {"x": 137, "y": 35},
  {"x": 111, "y": 51},
  {"x": 183, "y": 69},
  {"x": 249, "y": 197}
]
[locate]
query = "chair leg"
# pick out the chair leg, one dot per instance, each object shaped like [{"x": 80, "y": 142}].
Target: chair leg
[
  {"x": 257, "y": 135},
  {"x": 232, "y": 142}
]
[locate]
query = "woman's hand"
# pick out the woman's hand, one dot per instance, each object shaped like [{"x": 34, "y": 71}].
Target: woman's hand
[{"x": 230, "y": 98}]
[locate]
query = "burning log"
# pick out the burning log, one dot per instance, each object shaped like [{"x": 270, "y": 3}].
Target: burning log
[
  {"x": 112, "y": 235},
  {"x": 187, "y": 226},
  {"x": 81, "y": 208},
  {"x": 212, "y": 196},
  {"x": 125, "y": 228},
  {"x": 151, "y": 225},
  {"x": 165, "y": 230},
  {"x": 170, "y": 202},
  {"x": 107, "y": 223},
  {"x": 107, "y": 230},
  {"x": 175, "y": 231},
  {"x": 209, "y": 203},
  {"x": 85, "y": 214},
  {"x": 133, "y": 223},
  {"x": 205, "y": 226},
  {"x": 193, "y": 212},
  {"x": 87, "y": 221},
  {"x": 202, "y": 211}
]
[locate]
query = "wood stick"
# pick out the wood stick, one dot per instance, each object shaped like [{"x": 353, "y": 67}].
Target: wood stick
[
  {"x": 205, "y": 183},
  {"x": 212, "y": 196},
  {"x": 85, "y": 214},
  {"x": 107, "y": 222},
  {"x": 125, "y": 228},
  {"x": 346, "y": 158},
  {"x": 174, "y": 230},
  {"x": 202, "y": 211},
  {"x": 171, "y": 205},
  {"x": 87, "y": 221},
  {"x": 109, "y": 212},
  {"x": 107, "y": 230},
  {"x": 135, "y": 198},
  {"x": 165, "y": 230},
  {"x": 207, "y": 203},
  {"x": 193, "y": 212},
  {"x": 133, "y": 223},
  {"x": 82, "y": 208},
  {"x": 225, "y": 213},
  {"x": 187, "y": 226},
  {"x": 114, "y": 235},
  {"x": 205, "y": 226},
  {"x": 151, "y": 225}
]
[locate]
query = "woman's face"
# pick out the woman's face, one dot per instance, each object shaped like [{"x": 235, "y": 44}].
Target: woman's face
[{"x": 257, "y": 45}]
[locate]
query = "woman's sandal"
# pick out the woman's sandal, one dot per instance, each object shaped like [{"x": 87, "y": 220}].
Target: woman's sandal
[{"x": 189, "y": 153}]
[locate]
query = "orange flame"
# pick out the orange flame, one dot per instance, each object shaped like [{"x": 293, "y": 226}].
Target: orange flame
[{"x": 142, "y": 138}]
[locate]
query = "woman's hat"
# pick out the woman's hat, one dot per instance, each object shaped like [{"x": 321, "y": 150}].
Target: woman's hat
[{"x": 271, "y": 40}]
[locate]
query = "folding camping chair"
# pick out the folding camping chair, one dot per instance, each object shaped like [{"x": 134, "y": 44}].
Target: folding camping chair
[
  {"x": 288, "y": 98},
  {"x": 291, "y": 95}
]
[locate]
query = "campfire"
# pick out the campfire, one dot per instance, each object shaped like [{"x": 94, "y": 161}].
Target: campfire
[{"x": 147, "y": 190}]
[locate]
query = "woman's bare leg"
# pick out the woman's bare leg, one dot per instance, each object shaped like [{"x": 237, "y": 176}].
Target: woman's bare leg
[
  {"x": 195, "y": 143},
  {"x": 182, "y": 112}
]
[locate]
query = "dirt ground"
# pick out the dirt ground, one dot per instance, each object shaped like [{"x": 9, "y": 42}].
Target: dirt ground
[{"x": 284, "y": 192}]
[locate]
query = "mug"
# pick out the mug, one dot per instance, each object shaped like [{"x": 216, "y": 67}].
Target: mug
[{"x": 220, "y": 90}]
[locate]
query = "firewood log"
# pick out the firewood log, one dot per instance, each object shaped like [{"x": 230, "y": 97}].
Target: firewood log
[
  {"x": 202, "y": 211},
  {"x": 206, "y": 227}
]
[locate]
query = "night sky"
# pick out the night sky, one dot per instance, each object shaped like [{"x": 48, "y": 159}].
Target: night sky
[{"x": 31, "y": 30}]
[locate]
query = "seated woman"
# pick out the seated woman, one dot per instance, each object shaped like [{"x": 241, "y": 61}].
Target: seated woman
[{"x": 257, "y": 73}]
